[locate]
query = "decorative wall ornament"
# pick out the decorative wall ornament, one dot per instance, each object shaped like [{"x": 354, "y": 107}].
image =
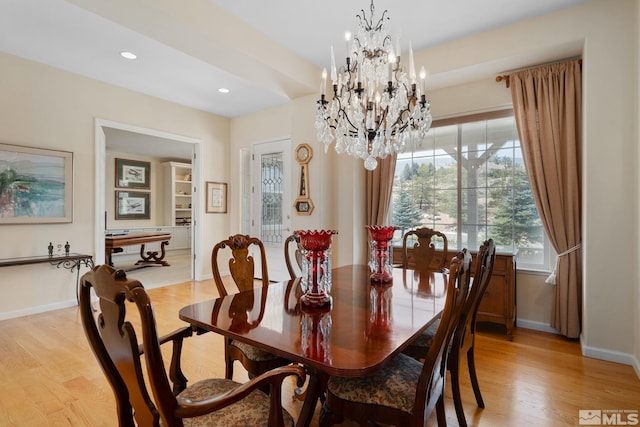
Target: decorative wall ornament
[{"x": 303, "y": 203}]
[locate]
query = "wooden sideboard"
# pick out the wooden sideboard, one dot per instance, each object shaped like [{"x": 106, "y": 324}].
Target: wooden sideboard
[{"x": 499, "y": 302}]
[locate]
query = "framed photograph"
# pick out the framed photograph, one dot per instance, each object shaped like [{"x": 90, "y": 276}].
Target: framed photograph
[
  {"x": 132, "y": 205},
  {"x": 133, "y": 174},
  {"x": 216, "y": 197},
  {"x": 36, "y": 185}
]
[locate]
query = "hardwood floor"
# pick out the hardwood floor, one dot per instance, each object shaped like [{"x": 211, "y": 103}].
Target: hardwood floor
[{"x": 49, "y": 377}]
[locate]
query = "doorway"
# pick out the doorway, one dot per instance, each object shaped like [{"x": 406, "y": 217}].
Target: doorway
[
  {"x": 163, "y": 146},
  {"x": 271, "y": 202}
]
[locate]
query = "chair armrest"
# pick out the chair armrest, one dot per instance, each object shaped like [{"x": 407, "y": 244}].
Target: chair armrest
[
  {"x": 175, "y": 369},
  {"x": 187, "y": 408}
]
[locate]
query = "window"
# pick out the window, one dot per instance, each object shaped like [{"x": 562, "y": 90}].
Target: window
[{"x": 468, "y": 180}]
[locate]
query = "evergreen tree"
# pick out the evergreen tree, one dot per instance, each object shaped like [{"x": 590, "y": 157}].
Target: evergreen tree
[{"x": 405, "y": 214}]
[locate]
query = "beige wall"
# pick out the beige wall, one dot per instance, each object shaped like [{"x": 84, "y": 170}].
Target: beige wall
[
  {"x": 44, "y": 107},
  {"x": 48, "y": 108},
  {"x": 637, "y": 191},
  {"x": 606, "y": 34}
]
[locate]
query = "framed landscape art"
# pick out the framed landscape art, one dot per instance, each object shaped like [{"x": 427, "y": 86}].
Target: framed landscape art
[{"x": 36, "y": 185}]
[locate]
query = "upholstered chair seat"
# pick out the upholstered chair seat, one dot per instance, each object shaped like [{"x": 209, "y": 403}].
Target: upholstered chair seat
[
  {"x": 393, "y": 386},
  {"x": 253, "y": 353},
  {"x": 250, "y": 411}
]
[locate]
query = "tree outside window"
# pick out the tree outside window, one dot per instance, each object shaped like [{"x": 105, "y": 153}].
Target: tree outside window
[{"x": 468, "y": 180}]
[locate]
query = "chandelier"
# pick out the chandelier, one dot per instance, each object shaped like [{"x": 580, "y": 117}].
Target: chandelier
[{"x": 377, "y": 107}]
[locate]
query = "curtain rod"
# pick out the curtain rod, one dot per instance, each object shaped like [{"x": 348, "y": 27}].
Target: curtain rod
[{"x": 505, "y": 77}]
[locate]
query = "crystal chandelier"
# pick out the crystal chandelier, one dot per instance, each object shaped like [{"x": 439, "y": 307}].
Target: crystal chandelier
[{"x": 377, "y": 107}]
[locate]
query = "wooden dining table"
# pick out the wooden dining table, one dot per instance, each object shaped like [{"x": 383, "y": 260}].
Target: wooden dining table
[{"x": 365, "y": 326}]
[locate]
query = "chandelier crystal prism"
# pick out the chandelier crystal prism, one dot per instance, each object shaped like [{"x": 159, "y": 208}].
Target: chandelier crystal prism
[{"x": 378, "y": 108}]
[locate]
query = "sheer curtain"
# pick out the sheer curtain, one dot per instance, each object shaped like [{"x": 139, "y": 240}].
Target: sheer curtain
[
  {"x": 378, "y": 187},
  {"x": 547, "y": 106}
]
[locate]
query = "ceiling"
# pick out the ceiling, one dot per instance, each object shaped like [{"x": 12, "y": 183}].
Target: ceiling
[{"x": 265, "y": 52}]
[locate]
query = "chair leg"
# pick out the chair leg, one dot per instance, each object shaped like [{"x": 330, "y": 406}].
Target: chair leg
[
  {"x": 454, "y": 369},
  {"x": 228, "y": 369},
  {"x": 474, "y": 378},
  {"x": 442, "y": 417}
]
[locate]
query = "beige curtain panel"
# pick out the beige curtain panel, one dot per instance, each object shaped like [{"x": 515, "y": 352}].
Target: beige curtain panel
[
  {"x": 379, "y": 183},
  {"x": 547, "y": 106}
]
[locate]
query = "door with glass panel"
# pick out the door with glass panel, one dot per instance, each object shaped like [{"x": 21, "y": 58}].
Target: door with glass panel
[{"x": 271, "y": 202}]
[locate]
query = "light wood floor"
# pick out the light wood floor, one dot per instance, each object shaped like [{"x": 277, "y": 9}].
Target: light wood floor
[{"x": 49, "y": 377}]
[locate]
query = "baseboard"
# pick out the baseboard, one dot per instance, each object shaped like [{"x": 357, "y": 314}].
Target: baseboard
[
  {"x": 636, "y": 366},
  {"x": 611, "y": 356},
  {"x": 37, "y": 310},
  {"x": 536, "y": 326}
]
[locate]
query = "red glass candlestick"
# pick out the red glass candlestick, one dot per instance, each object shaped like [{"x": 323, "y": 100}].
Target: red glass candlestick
[
  {"x": 380, "y": 259},
  {"x": 316, "y": 266}
]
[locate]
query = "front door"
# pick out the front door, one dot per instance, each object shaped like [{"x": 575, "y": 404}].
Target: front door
[{"x": 271, "y": 212}]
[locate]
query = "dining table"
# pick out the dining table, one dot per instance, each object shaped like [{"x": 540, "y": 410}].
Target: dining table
[{"x": 366, "y": 324}]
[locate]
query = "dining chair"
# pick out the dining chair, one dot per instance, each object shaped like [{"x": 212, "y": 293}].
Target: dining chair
[
  {"x": 464, "y": 336},
  {"x": 242, "y": 269},
  {"x": 404, "y": 391},
  {"x": 423, "y": 251},
  {"x": 294, "y": 252},
  {"x": 151, "y": 398}
]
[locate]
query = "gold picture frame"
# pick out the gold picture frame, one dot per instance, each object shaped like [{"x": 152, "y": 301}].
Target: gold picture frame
[{"x": 216, "y": 197}]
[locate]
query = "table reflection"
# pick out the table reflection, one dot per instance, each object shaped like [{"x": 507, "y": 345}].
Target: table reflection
[
  {"x": 379, "y": 312},
  {"x": 315, "y": 334}
]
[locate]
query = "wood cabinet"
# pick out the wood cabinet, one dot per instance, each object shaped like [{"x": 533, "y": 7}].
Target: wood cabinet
[
  {"x": 178, "y": 189},
  {"x": 499, "y": 302}
]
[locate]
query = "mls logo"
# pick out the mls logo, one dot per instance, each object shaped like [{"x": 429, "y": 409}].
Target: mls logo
[
  {"x": 608, "y": 417},
  {"x": 591, "y": 417}
]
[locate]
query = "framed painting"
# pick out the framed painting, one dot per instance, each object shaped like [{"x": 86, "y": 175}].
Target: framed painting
[
  {"x": 132, "y": 205},
  {"x": 216, "y": 197},
  {"x": 133, "y": 174},
  {"x": 36, "y": 185}
]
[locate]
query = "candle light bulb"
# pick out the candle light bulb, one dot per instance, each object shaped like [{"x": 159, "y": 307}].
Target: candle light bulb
[
  {"x": 347, "y": 39},
  {"x": 423, "y": 80},
  {"x": 323, "y": 84},
  {"x": 412, "y": 68},
  {"x": 334, "y": 73}
]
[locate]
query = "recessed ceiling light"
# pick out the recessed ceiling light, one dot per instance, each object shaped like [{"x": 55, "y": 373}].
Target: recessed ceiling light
[
  {"x": 128, "y": 55},
  {"x": 223, "y": 90}
]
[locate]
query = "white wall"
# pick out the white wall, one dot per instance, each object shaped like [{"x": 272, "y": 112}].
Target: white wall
[
  {"x": 605, "y": 33},
  {"x": 48, "y": 108}
]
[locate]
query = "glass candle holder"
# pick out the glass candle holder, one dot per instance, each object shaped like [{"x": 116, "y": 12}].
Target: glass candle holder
[
  {"x": 380, "y": 252},
  {"x": 316, "y": 266}
]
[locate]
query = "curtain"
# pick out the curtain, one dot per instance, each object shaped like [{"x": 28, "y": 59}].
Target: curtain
[
  {"x": 379, "y": 183},
  {"x": 547, "y": 106}
]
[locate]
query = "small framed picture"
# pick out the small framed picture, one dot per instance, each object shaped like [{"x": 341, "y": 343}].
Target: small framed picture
[
  {"x": 216, "y": 197},
  {"x": 133, "y": 174},
  {"x": 132, "y": 205}
]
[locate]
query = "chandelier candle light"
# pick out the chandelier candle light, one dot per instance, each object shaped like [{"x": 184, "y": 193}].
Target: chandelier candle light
[{"x": 377, "y": 108}]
